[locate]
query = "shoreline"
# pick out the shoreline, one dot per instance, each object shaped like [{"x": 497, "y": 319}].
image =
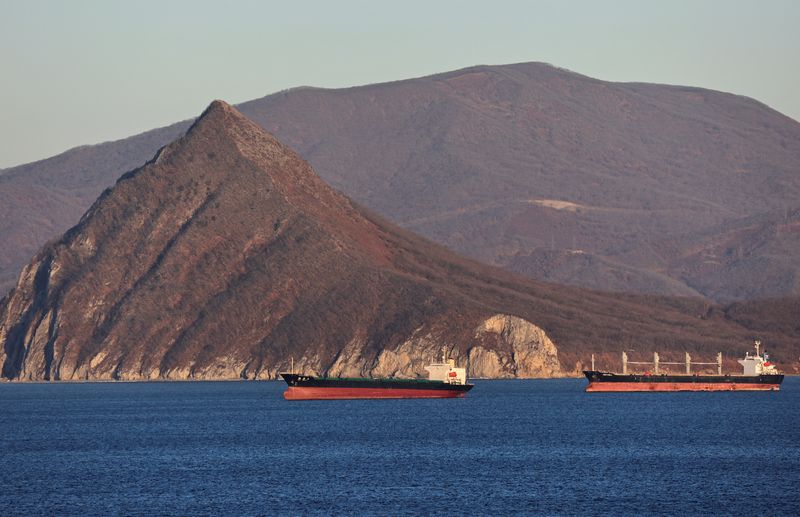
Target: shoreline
[{"x": 167, "y": 381}]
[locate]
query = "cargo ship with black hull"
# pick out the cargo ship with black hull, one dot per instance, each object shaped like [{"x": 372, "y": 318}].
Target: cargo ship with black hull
[
  {"x": 759, "y": 374},
  {"x": 444, "y": 381}
]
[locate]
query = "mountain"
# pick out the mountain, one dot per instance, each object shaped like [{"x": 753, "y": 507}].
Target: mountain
[
  {"x": 543, "y": 171},
  {"x": 751, "y": 257},
  {"x": 40, "y": 200},
  {"x": 226, "y": 256}
]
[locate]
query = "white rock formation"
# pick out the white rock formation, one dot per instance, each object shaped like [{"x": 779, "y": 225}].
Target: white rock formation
[{"x": 530, "y": 352}]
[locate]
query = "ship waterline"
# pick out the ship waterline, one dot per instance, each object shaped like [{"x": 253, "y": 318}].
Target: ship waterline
[
  {"x": 304, "y": 387},
  {"x": 609, "y": 382},
  {"x": 445, "y": 381}
]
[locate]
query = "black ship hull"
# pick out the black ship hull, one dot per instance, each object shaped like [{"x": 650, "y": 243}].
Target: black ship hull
[{"x": 307, "y": 387}]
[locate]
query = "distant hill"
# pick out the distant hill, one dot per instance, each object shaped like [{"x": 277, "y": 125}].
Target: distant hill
[
  {"x": 530, "y": 167},
  {"x": 756, "y": 256},
  {"x": 225, "y": 256}
]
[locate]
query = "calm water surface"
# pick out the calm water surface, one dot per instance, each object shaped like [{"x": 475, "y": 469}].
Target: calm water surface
[{"x": 511, "y": 447}]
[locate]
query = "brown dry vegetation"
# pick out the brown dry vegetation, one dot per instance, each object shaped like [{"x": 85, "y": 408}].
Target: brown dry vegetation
[
  {"x": 226, "y": 253},
  {"x": 517, "y": 166}
]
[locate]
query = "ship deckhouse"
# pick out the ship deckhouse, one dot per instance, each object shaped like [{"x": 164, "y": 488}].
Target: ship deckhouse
[{"x": 757, "y": 364}]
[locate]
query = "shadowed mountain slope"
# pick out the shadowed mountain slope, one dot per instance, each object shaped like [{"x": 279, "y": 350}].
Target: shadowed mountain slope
[
  {"x": 225, "y": 256},
  {"x": 513, "y": 165}
]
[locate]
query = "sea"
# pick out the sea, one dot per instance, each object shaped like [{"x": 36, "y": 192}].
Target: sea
[{"x": 511, "y": 447}]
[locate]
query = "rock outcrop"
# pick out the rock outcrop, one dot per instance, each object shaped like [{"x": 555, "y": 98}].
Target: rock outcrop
[
  {"x": 227, "y": 257},
  {"x": 503, "y": 346},
  {"x": 532, "y": 354}
]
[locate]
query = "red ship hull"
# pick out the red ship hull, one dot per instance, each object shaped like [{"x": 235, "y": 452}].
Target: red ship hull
[
  {"x": 678, "y": 386},
  {"x": 327, "y": 393}
]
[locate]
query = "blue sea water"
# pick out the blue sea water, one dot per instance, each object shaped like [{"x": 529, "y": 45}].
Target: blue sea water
[{"x": 510, "y": 447}]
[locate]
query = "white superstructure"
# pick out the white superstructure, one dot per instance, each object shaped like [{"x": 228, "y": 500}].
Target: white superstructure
[
  {"x": 446, "y": 371},
  {"x": 757, "y": 364}
]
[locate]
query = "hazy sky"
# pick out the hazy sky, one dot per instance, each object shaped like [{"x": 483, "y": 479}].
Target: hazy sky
[{"x": 80, "y": 72}]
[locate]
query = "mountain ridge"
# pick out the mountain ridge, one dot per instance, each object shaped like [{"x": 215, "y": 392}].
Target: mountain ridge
[
  {"x": 458, "y": 156},
  {"x": 225, "y": 256}
]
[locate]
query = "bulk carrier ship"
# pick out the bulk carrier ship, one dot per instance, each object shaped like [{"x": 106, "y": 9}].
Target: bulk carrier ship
[
  {"x": 444, "y": 381},
  {"x": 759, "y": 374}
]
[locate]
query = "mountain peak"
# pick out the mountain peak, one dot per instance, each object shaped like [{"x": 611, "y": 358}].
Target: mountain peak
[
  {"x": 221, "y": 110},
  {"x": 221, "y": 137},
  {"x": 218, "y": 104},
  {"x": 221, "y": 115},
  {"x": 226, "y": 152}
]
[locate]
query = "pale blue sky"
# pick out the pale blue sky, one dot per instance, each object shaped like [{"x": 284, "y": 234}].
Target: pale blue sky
[{"x": 80, "y": 72}]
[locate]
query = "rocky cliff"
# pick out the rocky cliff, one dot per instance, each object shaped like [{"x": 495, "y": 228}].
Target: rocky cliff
[{"x": 226, "y": 256}]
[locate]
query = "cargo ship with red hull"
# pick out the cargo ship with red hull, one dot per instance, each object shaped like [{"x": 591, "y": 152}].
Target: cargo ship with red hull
[
  {"x": 759, "y": 375},
  {"x": 445, "y": 381}
]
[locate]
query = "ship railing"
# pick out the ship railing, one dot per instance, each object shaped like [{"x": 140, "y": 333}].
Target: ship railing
[{"x": 657, "y": 363}]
